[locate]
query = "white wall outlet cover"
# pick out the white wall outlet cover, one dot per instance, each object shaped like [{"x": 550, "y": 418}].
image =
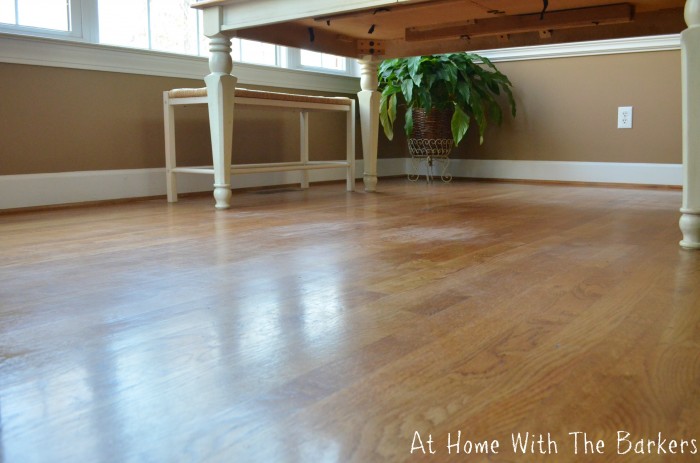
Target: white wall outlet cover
[{"x": 624, "y": 117}]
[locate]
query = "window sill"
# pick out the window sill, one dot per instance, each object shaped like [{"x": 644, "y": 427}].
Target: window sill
[{"x": 38, "y": 51}]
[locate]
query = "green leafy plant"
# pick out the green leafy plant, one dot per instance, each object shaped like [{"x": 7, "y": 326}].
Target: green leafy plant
[{"x": 467, "y": 83}]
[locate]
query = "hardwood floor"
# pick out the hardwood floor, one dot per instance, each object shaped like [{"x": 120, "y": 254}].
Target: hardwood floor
[{"x": 325, "y": 326}]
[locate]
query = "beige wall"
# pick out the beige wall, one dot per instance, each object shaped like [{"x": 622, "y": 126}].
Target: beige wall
[
  {"x": 62, "y": 120},
  {"x": 567, "y": 110}
]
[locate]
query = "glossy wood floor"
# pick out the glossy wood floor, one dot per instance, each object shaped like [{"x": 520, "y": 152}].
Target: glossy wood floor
[{"x": 324, "y": 326}]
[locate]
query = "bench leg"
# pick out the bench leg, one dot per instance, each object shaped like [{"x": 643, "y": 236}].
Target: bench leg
[
  {"x": 304, "y": 145},
  {"x": 170, "y": 159},
  {"x": 350, "y": 147}
]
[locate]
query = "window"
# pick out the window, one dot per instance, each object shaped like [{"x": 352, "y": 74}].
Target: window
[
  {"x": 41, "y": 17},
  {"x": 46, "y": 14},
  {"x": 124, "y": 23},
  {"x": 322, "y": 60},
  {"x": 248, "y": 51},
  {"x": 161, "y": 25},
  {"x": 164, "y": 25}
]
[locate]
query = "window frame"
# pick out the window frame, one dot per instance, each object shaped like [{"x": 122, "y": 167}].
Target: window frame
[
  {"x": 352, "y": 67},
  {"x": 85, "y": 28},
  {"x": 77, "y": 23}
]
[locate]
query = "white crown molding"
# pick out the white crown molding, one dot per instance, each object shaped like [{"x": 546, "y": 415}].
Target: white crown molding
[
  {"x": 31, "y": 190},
  {"x": 39, "y": 51},
  {"x": 598, "y": 47}
]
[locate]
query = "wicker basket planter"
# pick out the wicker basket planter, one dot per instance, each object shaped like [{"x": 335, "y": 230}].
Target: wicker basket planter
[
  {"x": 432, "y": 124},
  {"x": 430, "y": 142}
]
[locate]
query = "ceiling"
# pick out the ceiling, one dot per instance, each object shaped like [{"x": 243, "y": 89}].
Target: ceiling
[{"x": 435, "y": 26}]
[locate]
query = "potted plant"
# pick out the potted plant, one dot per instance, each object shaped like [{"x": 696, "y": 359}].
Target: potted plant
[{"x": 446, "y": 91}]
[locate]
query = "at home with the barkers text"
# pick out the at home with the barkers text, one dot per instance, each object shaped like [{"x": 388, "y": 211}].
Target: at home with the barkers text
[{"x": 577, "y": 442}]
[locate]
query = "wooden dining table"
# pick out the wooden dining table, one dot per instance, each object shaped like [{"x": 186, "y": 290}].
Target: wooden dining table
[{"x": 373, "y": 30}]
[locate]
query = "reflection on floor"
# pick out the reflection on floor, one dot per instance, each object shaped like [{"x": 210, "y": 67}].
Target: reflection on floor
[{"x": 325, "y": 326}]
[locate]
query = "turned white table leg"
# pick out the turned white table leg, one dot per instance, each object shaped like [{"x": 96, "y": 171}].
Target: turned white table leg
[
  {"x": 221, "y": 86},
  {"x": 368, "y": 98},
  {"x": 690, "y": 75}
]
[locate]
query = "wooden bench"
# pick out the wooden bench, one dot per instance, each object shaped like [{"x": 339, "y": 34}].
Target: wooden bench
[{"x": 304, "y": 104}]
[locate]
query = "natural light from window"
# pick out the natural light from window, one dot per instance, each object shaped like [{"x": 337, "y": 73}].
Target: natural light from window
[
  {"x": 164, "y": 25},
  {"x": 45, "y": 14},
  {"x": 249, "y": 51},
  {"x": 123, "y": 23},
  {"x": 322, "y": 60},
  {"x": 161, "y": 25}
]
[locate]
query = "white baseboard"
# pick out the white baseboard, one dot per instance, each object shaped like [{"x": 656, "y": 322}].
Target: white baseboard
[
  {"x": 30, "y": 190},
  {"x": 570, "y": 171},
  {"x": 17, "y": 191},
  {"x": 75, "y": 187}
]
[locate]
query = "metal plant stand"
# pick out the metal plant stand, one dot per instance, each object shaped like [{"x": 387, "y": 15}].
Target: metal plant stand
[{"x": 431, "y": 152}]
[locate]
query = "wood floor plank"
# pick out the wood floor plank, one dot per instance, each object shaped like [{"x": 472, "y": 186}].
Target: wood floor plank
[{"x": 324, "y": 326}]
